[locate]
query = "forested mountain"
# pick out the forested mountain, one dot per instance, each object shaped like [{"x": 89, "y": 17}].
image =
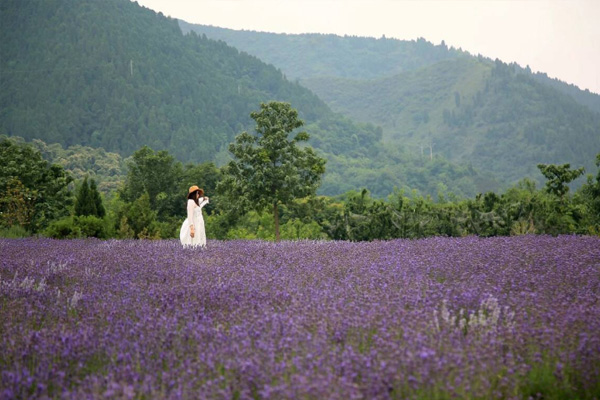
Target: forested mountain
[
  {"x": 502, "y": 121},
  {"x": 111, "y": 74},
  {"x": 500, "y": 118}
]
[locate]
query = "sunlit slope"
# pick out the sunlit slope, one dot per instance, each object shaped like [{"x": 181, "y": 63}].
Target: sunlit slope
[{"x": 470, "y": 110}]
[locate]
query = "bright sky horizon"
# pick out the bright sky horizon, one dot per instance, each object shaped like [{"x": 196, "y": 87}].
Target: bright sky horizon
[{"x": 558, "y": 37}]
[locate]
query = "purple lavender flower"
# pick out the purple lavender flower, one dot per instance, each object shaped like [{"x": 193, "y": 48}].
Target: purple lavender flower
[{"x": 445, "y": 317}]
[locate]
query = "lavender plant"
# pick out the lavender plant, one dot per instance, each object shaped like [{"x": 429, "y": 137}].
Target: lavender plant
[{"x": 506, "y": 318}]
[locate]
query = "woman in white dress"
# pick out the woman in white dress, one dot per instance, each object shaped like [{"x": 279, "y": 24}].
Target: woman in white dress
[{"x": 192, "y": 230}]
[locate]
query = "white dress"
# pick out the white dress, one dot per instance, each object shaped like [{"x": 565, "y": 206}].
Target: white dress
[{"x": 194, "y": 217}]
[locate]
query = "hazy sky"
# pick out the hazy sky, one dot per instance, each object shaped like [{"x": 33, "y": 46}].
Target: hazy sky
[{"x": 558, "y": 37}]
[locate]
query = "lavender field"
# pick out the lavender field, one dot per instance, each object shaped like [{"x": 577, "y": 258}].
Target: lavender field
[{"x": 440, "y": 318}]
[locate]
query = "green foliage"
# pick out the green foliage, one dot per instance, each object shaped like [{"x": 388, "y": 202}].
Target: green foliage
[
  {"x": 253, "y": 225},
  {"x": 84, "y": 205},
  {"x": 492, "y": 116},
  {"x": 97, "y": 199},
  {"x": 33, "y": 192},
  {"x": 16, "y": 204},
  {"x": 160, "y": 176},
  {"x": 107, "y": 169},
  {"x": 268, "y": 168},
  {"x": 63, "y": 229},
  {"x": 140, "y": 217},
  {"x": 78, "y": 227},
  {"x": 91, "y": 226},
  {"x": 14, "y": 232},
  {"x": 88, "y": 200},
  {"x": 558, "y": 177},
  {"x": 587, "y": 201},
  {"x": 356, "y": 215}
]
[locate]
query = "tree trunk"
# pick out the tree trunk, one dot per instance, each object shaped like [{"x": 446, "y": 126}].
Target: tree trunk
[{"x": 276, "y": 215}]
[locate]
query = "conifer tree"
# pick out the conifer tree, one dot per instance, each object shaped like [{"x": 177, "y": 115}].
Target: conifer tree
[
  {"x": 97, "y": 199},
  {"x": 84, "y": 203}
]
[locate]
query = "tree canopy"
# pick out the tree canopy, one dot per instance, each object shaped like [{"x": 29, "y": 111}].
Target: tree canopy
[
  {"x": 269, "y": 168},
  {"x": 32, "y": 191}
]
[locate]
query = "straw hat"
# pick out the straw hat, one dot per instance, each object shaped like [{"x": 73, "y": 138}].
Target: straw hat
[{"x": 193, "y": 189}]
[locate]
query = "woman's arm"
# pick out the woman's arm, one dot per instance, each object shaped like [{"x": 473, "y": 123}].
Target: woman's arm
[{"x": 204, "y": 202}]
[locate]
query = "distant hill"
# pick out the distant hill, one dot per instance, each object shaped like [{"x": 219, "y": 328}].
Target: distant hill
[
  {"x": 318, "y": 55},
  {"x": 113, "y": 75},
  {"x": 500, "y": 118}
]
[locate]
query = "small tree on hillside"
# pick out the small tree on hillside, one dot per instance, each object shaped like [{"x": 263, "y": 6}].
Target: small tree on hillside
[{"x": 268, "y": 168}]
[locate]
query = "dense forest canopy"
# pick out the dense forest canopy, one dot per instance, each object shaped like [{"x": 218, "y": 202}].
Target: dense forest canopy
[{"x": 114, "y": 75}]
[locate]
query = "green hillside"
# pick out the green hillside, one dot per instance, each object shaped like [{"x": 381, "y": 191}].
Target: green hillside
[
  {"x": 113, "y": 75},
  {"x": 502, "y": 119}
]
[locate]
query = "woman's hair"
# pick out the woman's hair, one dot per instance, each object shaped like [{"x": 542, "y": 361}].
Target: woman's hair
[{"x": 192, "y": 196}]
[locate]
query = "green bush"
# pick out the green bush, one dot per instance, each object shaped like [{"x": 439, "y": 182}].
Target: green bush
[
  {"x": 91, "y": 226},
  {"x": 14, "y": 232},
  {"x": 77, "y": 227},
  {"x": 295, "y": 229},
  {"x": 63, "y": 229},
  {"x": 166, "y": 229}
]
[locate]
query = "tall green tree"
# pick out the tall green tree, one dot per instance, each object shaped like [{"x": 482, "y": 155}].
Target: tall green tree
[
  {"x": 88, "y": 200},
  {"x": 84, "y": 204},
  {"x": 269, "y": 168},
  {"x": 590, "y": 196},
  {"x": 97, "y": 199},
  {"x": 558, "y": 177},
  {"x": 159, "y": 175},
  {"x": 27, "y": 176}
]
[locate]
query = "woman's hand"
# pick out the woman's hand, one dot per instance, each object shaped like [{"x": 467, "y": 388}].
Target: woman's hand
[{"x": 192, "y": 231}]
